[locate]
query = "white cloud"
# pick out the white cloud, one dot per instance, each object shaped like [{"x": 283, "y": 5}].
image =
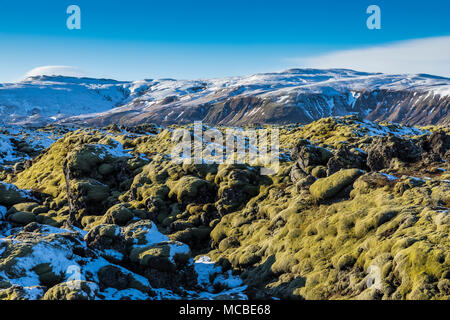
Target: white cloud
[
  {"x": 429, "y": 55},
  {"x": 55, "y": 71}
]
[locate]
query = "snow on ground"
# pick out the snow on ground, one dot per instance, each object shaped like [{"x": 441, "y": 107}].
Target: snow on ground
[
  {"x": 114, "y": 150},
  {"x": 176, "y": 249},
  {"x": 57, "y": 252},
  {"x": 152, "y": 236},
  {"x": 7, "y": 150},
  {"x": 369, "y": 128},
  {"x": 59, "y": 255},
  {"x": 24, "y": 193},
  {"x": 205, "y": 268},
  {"x": 210, "y": 275},
  {"x": 390, "y": 177},
  {"x": 2, "y": 212},
  {"x": 36, "y": 139}
]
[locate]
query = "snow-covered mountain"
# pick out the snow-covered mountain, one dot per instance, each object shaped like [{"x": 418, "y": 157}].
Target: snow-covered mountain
[
  {"x": 48, "y": 98},
  {"x": 296, "y": 95}
]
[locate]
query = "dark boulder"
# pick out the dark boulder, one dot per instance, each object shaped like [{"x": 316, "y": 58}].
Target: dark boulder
[
  {"x": 438, "y": 143},
  {"x": 383, "y": 149},
  {"x": 296, "y": 173},
  {"x": 308, "y": 155},
  {"x": 106, "y": 237},
  {"x": 346, "y": 158}
]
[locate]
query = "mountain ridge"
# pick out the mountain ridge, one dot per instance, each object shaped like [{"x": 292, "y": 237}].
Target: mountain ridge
[{"x": 293, "y": 95}]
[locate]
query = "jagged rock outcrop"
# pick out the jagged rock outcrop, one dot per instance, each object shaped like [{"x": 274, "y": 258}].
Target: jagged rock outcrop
[{"x": 385, "y": 149}]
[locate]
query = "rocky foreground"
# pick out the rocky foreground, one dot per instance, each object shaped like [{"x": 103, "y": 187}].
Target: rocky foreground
[{"x": 358, "y": 210}]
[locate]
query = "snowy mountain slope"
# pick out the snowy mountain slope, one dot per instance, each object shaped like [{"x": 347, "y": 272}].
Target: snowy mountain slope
[
  {"x": 44, "y": 98},
  {"x": 296, "y": 95}
]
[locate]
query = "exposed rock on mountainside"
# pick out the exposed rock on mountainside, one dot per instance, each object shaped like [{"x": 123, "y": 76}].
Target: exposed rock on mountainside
[
  {"x": 357, "y": 210},
  {"x": 296, "y": 95}
]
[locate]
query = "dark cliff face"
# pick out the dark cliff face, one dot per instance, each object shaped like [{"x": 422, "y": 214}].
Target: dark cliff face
[
  {"x": 410, "y": 108},
  {"x": 407, "y": 107},
  {"x": 403, "y": 106}
]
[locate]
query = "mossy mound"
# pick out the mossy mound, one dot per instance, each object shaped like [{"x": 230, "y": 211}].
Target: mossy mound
[
  {"x": 17, "y": 292},
  {"x": 119, "y": 214},
  {"x": 81, "y": 162},
  {"x": 335, "y": 131},
  {"x": 326, "y": 188},
  {"x": 162, "y": 256},
  {"x": 191, "y": 189},
  {"x": 111, "y": 276},
  {"x": 24, "y": 207},
  {"x": 72, "y": 290},
  {"x": 331, "y": 251},
  {"x": 22, "y": 218},
  {"x": 46, "y": 174},
  {"x": 237, "y": 184}
]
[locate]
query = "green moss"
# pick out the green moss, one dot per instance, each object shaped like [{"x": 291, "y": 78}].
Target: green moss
[
  {"x": 194, "y": 237},
  {"x": 24, "y": 207},
  {"x": 13, "y": 293},
  {"x": 39, "y": 210},
  {"x": 72, "y": 290},
  {"x": 51, "y": 218},
  {"x": 319, "y": 172},
  {"x": 228, "y": 243},
  {"x": 22, "y": 218},
  {"x": 345, "y": 262},
  {"x": 91, "y": 190},
  {"x": 286, "y": 239},
  {"x": 371, "y": 228},
  {"x": 158, "y": 256},
  {"x": 188, "y": 188},
  {"x": 119, "y": 214},
  {"x": 328, "y": 187},
  {"x": 88, "y": 222}
]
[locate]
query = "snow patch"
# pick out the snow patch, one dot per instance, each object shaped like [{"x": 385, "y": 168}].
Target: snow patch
[{"x": 3, "y": 212}]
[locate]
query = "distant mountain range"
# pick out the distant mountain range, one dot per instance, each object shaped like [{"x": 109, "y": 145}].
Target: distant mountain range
[{"x": 295, "y": 95}]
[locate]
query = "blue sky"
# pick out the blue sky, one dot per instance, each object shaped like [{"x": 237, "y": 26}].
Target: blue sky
[{"x": 138, "y": 39}]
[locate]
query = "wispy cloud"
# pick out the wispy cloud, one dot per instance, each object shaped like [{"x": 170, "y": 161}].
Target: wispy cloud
[
  {"x": 55, "y": 71},
  {"x": 429, "y": 55}
]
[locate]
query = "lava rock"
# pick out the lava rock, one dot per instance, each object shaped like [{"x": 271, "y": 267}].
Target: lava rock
[{"x": 383, "y": 150}]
